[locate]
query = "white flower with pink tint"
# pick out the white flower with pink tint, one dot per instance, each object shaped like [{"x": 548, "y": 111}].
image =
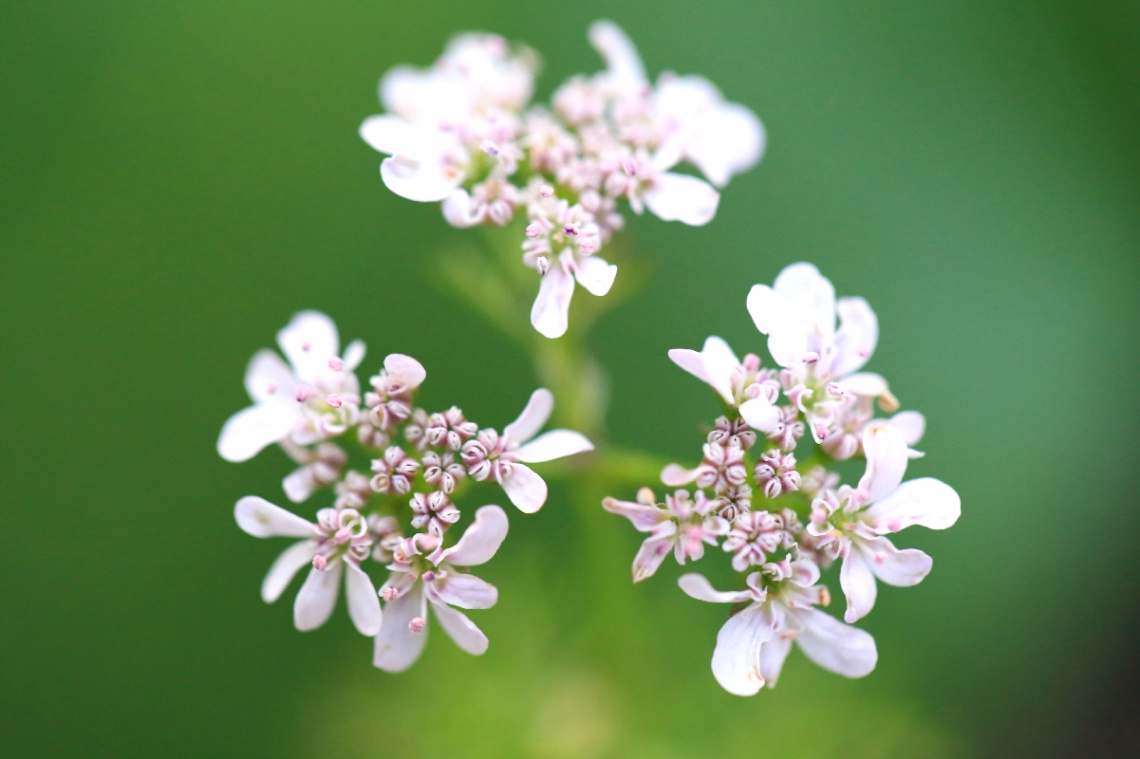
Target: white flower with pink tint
[
  {"x": 753, "y": 644},
  {"x": 503, "y": 458},
  {"x": 851, "y": 524},
  {"x": 420, "y": 581},
  {"x": 314, "y": 396},
  {"x": 333, "y": 547},
  {"x": 741, "y": 384},
  {"x": 683, "y": 526}
]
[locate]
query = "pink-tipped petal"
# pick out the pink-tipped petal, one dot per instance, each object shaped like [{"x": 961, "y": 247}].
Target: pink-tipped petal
[
  {"x": 461, "y": 629},
  {"x": 532, "y": 418},
  {"x": 317, "y": 597},
  {"x": 736, "y": 660},
  {"x": 526, "y": 489},
  {"x": 409, "y": 370},
  {"x": 250, "y": 430},
  {"x": 481, "y": 540},
  {"x": 363, "y": 603},
  {"x": 697, "y": 586},
  {"x": 550, "y": 314},
  {"x": 835, "y": 646},
  {"x": 858, "y": 585},
  {"x": 643, "y": 518},
  {"x": 886, "y": 452},
  {"x": 555, "y": 444},
  {"x": 679, "y": 197},
  {"x": 675, "y": 475},
  {"x": 285, "y": 568},
  {"x": 650, "y": 555},
  {"x": 925, "y": 501},
  {"x": 397, "y": 647},
  {"x": 262, "y": 519}
]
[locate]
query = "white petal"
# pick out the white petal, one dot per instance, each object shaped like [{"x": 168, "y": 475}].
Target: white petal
[
  {"x": 317, "y": 597},
  {"x": 363, "y": 603},
  {"x": 262, "y": 519},
  {"x": 285, "y": 567},
  {"x": 397, "y": 647},
  {"x": 457, "y": 210},
  {"x": 857, "y": 335},
  {"x": 461, "y": 629},
  {"x": 248, "y": 431},
  {"x": 624, "y": 64},
  {"x": 720, "y": 362},
  {"x": 763, "y": 306},
  {"x": 649, "y": 556},
  {"x": 811, "y": 293},
  {"x": 526, "y": 489},
  {"x": 835, "y": 646},
  {"x": 679, "y": 197},
  {"x": 425, "y": 180},
  {"x": 925, "y": 501},
  {"x": 760, "y": 414},
  {"x": 691, "y": 361},
  {"x": 481, "y": 540},
  {"x": 773, "y": 654},
  {"x": 465, "y": 591},
  {"x": 730, "y": 139},
  {"x": 268, "y": 378},
  {"x": 595, "y": 274},
  {"x": 858, "y": 585},
  {"x": 867, "y": 384},
  {"x": 353, "y": 355},
  {"x": 912, "y": 424},
  {"x": 901, "y": 568},
  {"x": 309, "y": 341},
  {"x": 698, "y": 587},
  {"x": 412, "y": 372},
  {"x": 644, "y": 518},
  {"x": 885, "y": 449},
  {"x": 392, "y": 134},
  {"x": 299, "y": 484},
  {"x": 554, "y": 445},
  {"x": 550, "y": 314},
  {"x": 675, "y": 475},
  {"x": 736, "y": 660},
  {"x": 530, "y": 421}
]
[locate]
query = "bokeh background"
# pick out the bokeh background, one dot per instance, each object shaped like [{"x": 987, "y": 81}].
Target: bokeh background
[{"x": 179, "y": 178}]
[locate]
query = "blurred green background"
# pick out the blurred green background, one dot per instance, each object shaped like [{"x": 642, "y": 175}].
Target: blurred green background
[{"x": 179, "y": 178}]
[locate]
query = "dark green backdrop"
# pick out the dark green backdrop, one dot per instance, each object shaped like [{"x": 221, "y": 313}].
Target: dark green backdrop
[{"x": 176, "y": 179}]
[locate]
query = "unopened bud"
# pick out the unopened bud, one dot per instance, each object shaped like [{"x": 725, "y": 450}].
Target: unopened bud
[
  {"x": 629, "y": 166},
  {"x": 645, "y": 496},
  {"x": 389, "y": 594},
  {"x": 811, "y": 357},
  {"x": 302, "y": 393},
  {"x": 490, "y": 148},
  {"x": 417, "y": 625},
  {"x": 570, "y": 230},
  {"x": 336, "y": 364},
  {"x": 546, "y": 191},
  {"x": 334, "y": 401},
  {"x": 534, "y": 230},
  {"x": 586, "y": 249},
  {"x": 320, "y": 562},
  {"x": 542, "y": 263}
]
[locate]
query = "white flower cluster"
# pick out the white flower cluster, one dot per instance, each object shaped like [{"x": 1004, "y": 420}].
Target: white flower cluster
[
  {"x": 398, "y": 508},
  {"x": 788, "y": 520},
  {"x": 464, "y": 132}
]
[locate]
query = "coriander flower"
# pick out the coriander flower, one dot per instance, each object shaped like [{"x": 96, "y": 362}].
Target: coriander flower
[
  {"x": 334, "y": 546},
  {"x": 419, "y": 580},
  {"x": 490, "y": 456},
  {"x": 313, "y": 397},
  {"x": 851, "y": 524},
  {"x": 752, "y": 645},
  {"x": 682, "y": 525}
]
